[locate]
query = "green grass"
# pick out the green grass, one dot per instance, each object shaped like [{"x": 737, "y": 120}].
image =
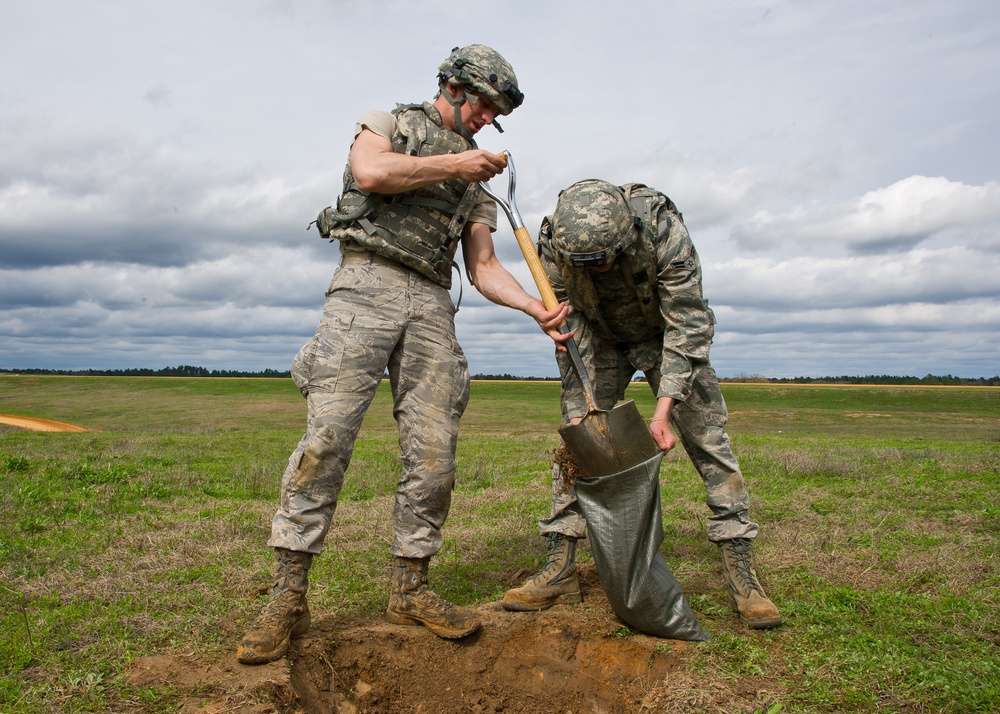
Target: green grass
[{"x": 879, "y": 543}]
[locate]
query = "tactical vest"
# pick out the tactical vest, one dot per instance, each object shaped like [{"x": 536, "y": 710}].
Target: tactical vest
[
  {"x": 654, "y": 212},
  {"x": 420, "y": 229}
]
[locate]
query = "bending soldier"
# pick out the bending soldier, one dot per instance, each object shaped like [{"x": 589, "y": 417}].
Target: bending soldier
[{"x": 623, "y": 260}]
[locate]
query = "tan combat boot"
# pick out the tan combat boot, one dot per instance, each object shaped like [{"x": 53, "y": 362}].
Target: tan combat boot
[
  {"x": 286, "y": 614},
  {"x": 556, "y": 583},
  {"x": 411, "y": 602},
  {"x": 745, "y": 592}
]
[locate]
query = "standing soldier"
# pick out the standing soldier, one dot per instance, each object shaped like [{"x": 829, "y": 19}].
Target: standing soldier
[
  {"x": 410, "y": 197},
  {"x": 622, "y": 258}
]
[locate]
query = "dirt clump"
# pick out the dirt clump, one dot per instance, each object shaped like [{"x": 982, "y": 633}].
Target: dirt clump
[
  {"x": 571, "y": 658},
  {"x": 562, "y": 456}
]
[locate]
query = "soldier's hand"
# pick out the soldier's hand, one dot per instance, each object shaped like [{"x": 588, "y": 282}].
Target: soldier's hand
[
  {"x": 478, "y": 165},
  {"x": 660, "y": 430},
  {"x": 550, "y": 320}
]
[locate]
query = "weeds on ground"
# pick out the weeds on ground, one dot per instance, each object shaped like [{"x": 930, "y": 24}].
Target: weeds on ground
[{"x": 879, "y": 537}]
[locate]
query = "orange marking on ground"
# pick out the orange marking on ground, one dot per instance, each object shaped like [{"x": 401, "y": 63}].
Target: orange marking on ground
[{"x": 38, "y": 424}]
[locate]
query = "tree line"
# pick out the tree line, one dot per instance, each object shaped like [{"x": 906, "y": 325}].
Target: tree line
[
  {"x": 888, "y": 379},
  {"x": 186, "y": 370}
]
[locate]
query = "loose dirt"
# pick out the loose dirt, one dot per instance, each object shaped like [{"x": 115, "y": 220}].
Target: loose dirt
[
  {"x": 38, "y": 424},
  {"x": 571, "y": 659}
]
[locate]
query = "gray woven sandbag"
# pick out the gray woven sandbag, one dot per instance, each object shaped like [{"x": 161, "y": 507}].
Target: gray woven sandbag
[{"x": 626, "y": 530}]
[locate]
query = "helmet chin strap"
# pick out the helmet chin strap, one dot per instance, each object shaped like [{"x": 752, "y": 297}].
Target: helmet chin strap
[{"x": 457, "y": 103}]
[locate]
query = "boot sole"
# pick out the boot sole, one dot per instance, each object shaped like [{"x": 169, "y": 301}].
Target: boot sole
[
  {"x": 397, "y": 619},
  {"x": 762, "y": 623},
  {"x": 539, "y": 605}
]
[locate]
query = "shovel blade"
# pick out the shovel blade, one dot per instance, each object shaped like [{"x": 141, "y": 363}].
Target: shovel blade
[{"x": 606, "y": 443}]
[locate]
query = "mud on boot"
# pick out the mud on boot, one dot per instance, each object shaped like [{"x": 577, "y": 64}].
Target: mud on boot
[
  {"x": 286, "y": 614},
  {"x": 556, "y": 583},
  {"x": 412, "y": 602},
  {"x": 755, "y": 609}
]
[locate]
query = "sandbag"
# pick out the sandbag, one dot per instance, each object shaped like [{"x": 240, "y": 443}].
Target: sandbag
[{"x": 626, "y": 529}]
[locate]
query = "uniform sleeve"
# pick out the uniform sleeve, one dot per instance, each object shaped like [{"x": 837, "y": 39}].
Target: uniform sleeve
[
  {"x": 377, "y": 121},
  {"x": 485, "y": 212},
  {"x": 689, "y": 324}
]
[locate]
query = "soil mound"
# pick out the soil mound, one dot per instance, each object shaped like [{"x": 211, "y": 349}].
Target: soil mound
[{"x": 571, "y": 658}]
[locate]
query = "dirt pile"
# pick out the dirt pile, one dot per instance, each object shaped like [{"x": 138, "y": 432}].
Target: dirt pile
[{"x": 569, "y": 659}]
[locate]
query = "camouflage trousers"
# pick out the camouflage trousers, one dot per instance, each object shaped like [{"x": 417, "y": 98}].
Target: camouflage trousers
[
  {"x": 699, "y": 425},
  {"x": 377, "y": 317}
]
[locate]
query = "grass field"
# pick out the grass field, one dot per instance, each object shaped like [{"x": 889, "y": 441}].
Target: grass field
[{"x": 880, "y": 534}]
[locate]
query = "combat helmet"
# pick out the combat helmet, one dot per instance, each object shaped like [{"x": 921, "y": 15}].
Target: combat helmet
[
  {"x": 484, "y": 71},
  {"x": 593, "y": 224}
]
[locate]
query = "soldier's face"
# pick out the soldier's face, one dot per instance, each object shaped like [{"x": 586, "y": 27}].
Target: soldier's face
[{"x": 479, "y": 113}]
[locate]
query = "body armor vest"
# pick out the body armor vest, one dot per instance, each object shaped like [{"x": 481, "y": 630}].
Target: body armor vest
[
  {"x": 638, "y": 263},
  {"x": 420, "y": 229}
]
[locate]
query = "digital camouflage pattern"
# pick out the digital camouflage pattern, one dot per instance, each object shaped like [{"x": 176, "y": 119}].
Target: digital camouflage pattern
[
  {"x": 420, "y": 229},
  {"x": 486, "y": 72},
  {"x": 617, "y": 339},
  {"x": 370, "y": 309},
  {"x": 650, "y": 301},
  {"x": 387, "y": 310},
  {"x": 593, "y": 223}
]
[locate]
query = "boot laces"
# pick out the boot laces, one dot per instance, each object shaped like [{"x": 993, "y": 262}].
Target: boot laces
[
  {"x": 740, "y": 549},
  {"x": 285, "y": 592},
  {"x": 432, "y": 600},
  {"x": 415, "y": 587},
  {"x": 552, "y": 555},
  {"x": 277, "y": 609}
]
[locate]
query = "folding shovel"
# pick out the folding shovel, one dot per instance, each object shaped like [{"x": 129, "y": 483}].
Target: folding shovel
[{"x": 603, "y": 443}]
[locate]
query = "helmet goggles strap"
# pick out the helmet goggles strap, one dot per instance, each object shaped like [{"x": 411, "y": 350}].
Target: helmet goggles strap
[{"x": 595, "y": 259}]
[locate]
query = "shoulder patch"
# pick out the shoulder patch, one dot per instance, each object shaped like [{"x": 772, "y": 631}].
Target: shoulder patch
[{"x": 687, "y": 264}]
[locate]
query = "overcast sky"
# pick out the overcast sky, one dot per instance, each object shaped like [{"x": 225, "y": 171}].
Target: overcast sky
[{"x": 837, "y": 164}]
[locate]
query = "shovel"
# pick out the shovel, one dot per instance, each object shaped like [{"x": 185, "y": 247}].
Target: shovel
[{"x": 603, "y": 443}]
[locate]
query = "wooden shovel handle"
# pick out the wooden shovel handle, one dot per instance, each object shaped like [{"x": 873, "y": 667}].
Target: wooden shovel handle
[
  {"x": 551, "y": 303},
  {"x": 535, "y": 266}
]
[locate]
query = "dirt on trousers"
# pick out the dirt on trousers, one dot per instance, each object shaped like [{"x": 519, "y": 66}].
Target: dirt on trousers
[{"x": 571, "y": 659}]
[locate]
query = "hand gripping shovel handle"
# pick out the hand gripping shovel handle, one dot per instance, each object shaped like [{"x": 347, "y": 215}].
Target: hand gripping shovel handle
[{"x": 537, "y": 271}]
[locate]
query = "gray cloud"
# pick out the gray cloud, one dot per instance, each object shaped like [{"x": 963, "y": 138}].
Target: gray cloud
[
  {"x": 158, "y": 95},
  {"x": 835, "y": 163}
]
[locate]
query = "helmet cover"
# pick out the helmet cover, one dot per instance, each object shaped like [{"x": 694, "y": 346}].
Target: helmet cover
[
  {"x": 484, "y": 71},
  {"x": 593, "y": 223}
]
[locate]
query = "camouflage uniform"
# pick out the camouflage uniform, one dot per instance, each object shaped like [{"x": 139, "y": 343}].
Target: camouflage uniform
[
  {"x": 377, "y": 316},
  {"x": 381, "y": 314},
  {"x": 388, "y": 309},
  {"x": 670, "y": 346}
]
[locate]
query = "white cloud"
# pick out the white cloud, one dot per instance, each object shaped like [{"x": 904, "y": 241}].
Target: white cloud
[
  {"x": 897, "y": 217},
  {"x": 835, "y": 162}
]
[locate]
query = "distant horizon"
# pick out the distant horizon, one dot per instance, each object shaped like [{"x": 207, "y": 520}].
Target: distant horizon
[{"x": 201, "y": 372}]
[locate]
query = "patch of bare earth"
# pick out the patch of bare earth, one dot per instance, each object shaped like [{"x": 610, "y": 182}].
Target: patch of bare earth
[
  {"x": 33, "y": 424},
  {"x": 568, "y": 659}
]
